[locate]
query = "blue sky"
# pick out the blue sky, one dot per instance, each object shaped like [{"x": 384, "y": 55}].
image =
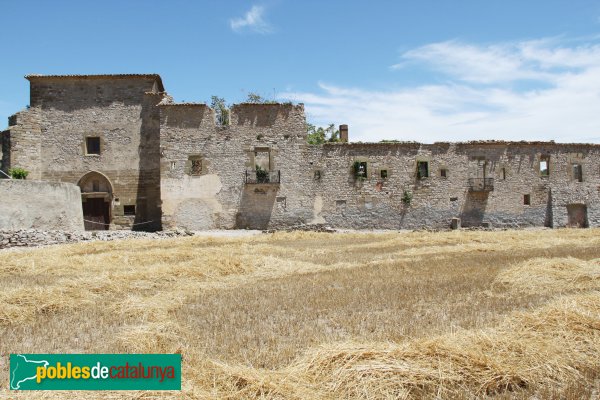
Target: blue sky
[{"x": 426, "y": 71}]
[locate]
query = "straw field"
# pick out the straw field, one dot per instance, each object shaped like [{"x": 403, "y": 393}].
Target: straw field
[{"x": 409, "y": 315}]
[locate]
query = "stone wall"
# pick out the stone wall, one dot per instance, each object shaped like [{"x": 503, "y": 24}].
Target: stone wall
[
  {"x": 514, "y": 168},
  {"x": 21, "y": 144},
  {"x": 37, "y": 237},
  {"x": 180, "y": 169},
  {"x": 318, "y": 183},
  {"x": 216, "y": 195},
  {"x": 40, "y": 205}
]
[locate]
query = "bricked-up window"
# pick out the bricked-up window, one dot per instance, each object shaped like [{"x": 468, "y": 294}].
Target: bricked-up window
[
  {"x": 545, "y": 166},
  {"x": 92, "y": 145},
  {"x": 577, "y": 172},
  {"x": 422, "y": 169},
  {"x": 527, "y": 199},
  {"x": 444, "y": 173},
  {"x": 129, "y": 210}
]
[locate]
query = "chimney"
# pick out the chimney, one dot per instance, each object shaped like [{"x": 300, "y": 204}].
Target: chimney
[{"x": 344, "y": 133}]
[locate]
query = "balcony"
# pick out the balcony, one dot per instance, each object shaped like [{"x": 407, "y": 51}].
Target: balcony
[
  {"x": 263, "y": 177},
  {"x": 481, "y": 184}
]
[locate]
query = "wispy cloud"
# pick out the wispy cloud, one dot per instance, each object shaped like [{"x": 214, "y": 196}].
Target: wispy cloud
[
  {"x": 530, "y": 90},
  {"x": 252, "y": 21}
]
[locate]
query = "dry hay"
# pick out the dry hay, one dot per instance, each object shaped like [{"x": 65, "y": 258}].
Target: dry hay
[
  {"x": 554, "y": 275},
  {"x": 549, "y": 346},
  {"x": 142, "y": 283}
]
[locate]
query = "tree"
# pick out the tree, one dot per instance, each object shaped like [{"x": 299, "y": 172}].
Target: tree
[
  {"x": 320, "y": 135},
  {"x": 221, "y": 110}
]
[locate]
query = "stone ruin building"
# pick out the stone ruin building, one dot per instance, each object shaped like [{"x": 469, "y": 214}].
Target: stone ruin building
[{"x": 145, "y": 162}]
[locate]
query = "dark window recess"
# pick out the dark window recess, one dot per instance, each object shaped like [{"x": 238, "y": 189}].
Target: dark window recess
[
  {"x": 129, "y": 210},
  {"x": 383, "y": 174},
  {"x": 92, "y": 145},
  {"x": 422, "y": 169},
  {"x": 503, "y": 174},
  {"x": 444, "y": 173},
  {"x": 195, "y": 163},
  {"x": 545, "y": 166},
  {"x": 453, "y": 198},
  {"x": 527, "y": 199},
  {"x": 360, "y": 169},
  {"x": 578, "y": 172},
  {"x": 317, "y": 175}
]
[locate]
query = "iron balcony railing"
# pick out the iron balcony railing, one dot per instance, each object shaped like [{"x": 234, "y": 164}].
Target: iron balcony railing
[
  {"x": 262, "y": 176},
  {"x": 481, "y": 184}
]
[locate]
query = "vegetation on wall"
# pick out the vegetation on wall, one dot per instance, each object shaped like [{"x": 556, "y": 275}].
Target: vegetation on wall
[
  {"x": 256, "y": 98},
  {"x": 360, "y": 170},
  {"x": 320, "y": 135},
  {"x": 221, "y": 110},
  {"x": 18, "y": 173},
  {"x": 407, "y": 197},
  {"x": 262, "y": 175}
]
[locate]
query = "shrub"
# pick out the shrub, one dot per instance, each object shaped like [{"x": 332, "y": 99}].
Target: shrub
[
  {"x": 406, "y": 197},
  {"x": 262, "y": 176},
  {"x": 18, "y": 173}
]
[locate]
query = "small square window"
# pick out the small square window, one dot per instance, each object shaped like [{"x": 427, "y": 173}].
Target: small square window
[
  {"x": 129, "y": 210},
  {"x": 527, "y": 199},
  {"x": 383, "y": 173},
  {"x": 444, "y": 173},
  {"x": 92, "y": 145},
  {"x": 422, "y": 169}
]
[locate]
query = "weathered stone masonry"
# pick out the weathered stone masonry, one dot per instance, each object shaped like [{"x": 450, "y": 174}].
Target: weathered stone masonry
[{"x": 164, "y": 165}]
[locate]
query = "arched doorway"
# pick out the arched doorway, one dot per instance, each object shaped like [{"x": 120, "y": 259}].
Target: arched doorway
[{"x": 96, "y": 197}]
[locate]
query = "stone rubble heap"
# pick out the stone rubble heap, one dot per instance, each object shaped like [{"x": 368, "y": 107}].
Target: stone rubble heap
[
  {"x": 34, "y": 238},
  {"x": 305, "y": 228}
]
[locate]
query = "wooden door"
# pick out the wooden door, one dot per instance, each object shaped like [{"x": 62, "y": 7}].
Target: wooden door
[{"x": 96, "y": 214}]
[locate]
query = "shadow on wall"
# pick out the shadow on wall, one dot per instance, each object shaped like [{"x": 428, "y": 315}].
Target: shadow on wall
[
  {"x": 256, "y": 207},
  {"x": 148, "y": 212},
  {"x": 474, "y": 208},
  {"x": 259, "y": 114}
]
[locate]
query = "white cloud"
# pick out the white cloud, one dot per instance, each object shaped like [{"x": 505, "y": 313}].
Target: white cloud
[
  {"x": 483, "y": 98},
  {"x": 252, "y": 21}
]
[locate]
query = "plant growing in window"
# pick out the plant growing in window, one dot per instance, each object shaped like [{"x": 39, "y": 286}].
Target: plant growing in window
[
  {"x": 360, "y": 170},
  {"x": 262, "y": 176}
]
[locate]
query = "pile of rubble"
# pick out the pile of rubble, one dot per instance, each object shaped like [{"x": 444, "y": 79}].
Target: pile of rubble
[
  {"x": 34, "y": 238},
  {"x": 305, "y": 228}
]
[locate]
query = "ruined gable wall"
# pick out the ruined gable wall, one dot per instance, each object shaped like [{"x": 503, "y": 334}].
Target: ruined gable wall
[
  {"x": 219, "y": 197},
  {"x": 21, "y": 143},
  {"x": 124, "y": 117}
]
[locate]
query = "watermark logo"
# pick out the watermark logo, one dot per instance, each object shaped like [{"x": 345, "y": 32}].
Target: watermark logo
[{"x": 95, "y": 371}]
